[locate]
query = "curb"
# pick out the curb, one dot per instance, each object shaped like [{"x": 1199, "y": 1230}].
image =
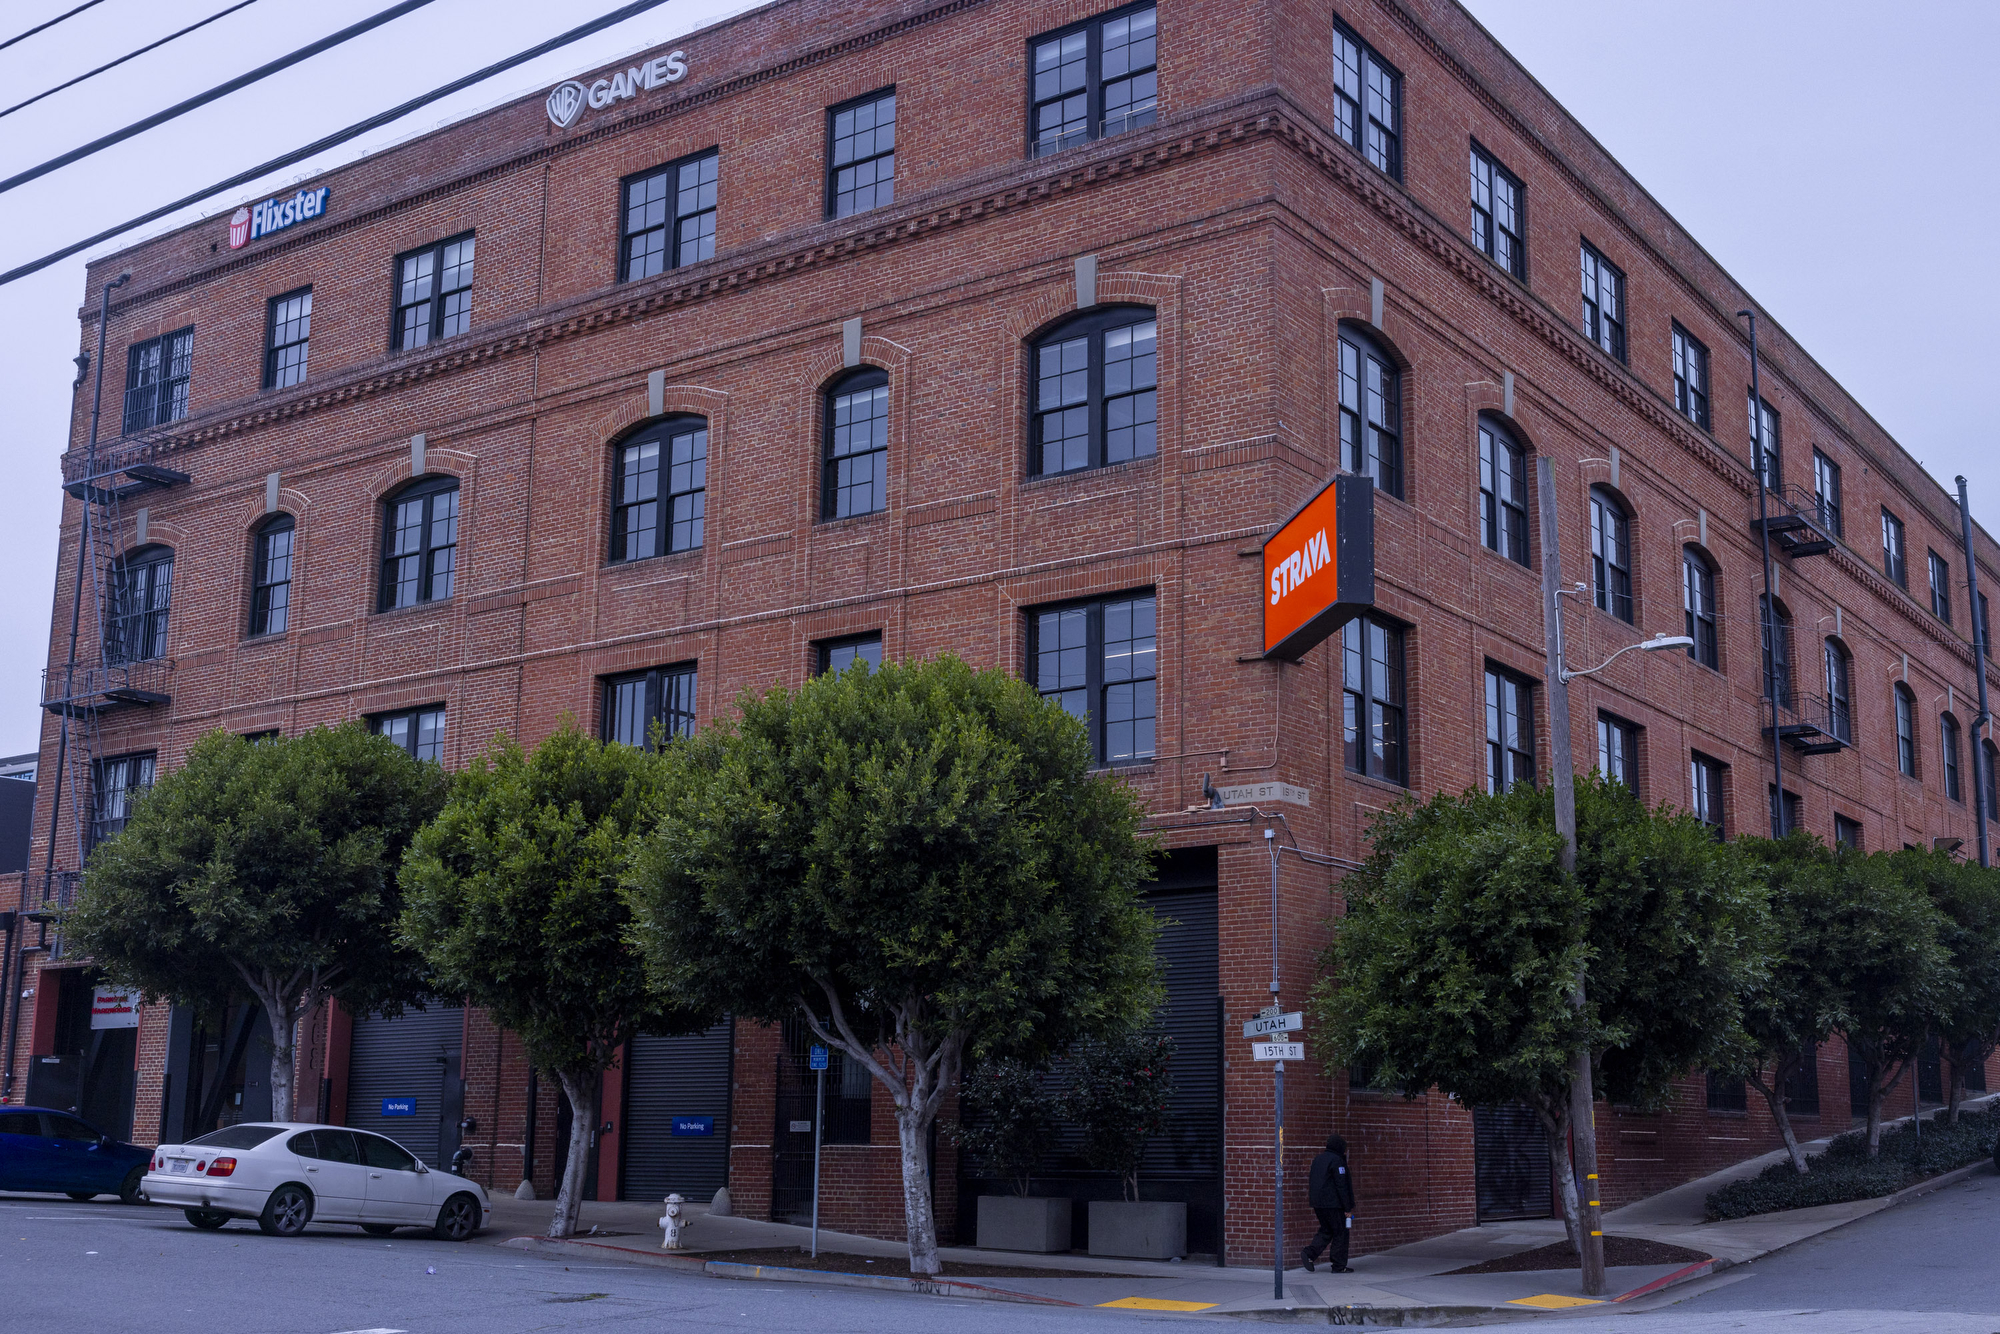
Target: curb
[{"x": 1699, "y": 1269}]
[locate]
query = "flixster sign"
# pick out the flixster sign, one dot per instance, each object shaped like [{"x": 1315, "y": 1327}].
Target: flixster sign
[
  {"x": 1319, "y": 567},
  {"x": 567, "y": 100},
  {"x": 274, "y": 215}
]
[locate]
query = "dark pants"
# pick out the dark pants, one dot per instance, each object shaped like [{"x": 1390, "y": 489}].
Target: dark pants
[{"x": 1331, "y": 1238}]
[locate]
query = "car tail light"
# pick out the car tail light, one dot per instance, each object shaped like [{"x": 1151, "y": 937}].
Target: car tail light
[
  {"x": 155, "y": 1166},
  {"x": 222, "y": 1167}
]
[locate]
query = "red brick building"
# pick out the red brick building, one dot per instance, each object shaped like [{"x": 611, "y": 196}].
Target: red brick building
[{"x": 1008, "y": 328}]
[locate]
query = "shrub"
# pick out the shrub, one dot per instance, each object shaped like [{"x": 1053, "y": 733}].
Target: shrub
[
  {"x": 1844, "y": 1171},
  {"x": 1007, "y": 1119},
  {"x": 1119, "y": 1089}
]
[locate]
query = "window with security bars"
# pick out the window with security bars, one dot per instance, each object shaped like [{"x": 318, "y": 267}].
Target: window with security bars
[
  {"x": 660, "y": 492},
  {"x": 1698, "y": 602},
  {"x": 669, "y": 217},
  {"x": 1618, "y": 750},
  {"x": 1690, "y": 377},
  {"x": 1095, "y": 80},
  {"x": 156, "y": 379},
  {"x": 433, "y": 293},
  {"x": 1766, "y": 443},
  {"x": 271, "y": 576},
  {"x": 834, "y": 656},
  {"x": 1840, "y": 691},
  {"x": 1826, "y": 491},
  {"x": 1776, "y": 624},
  {"x": 1499, "y": 215},
  {"x": 1705, "y": 786},
  {"x": 1510, "y": 730},
  {"x": 861, "y": 155},
  {"x": 419, "y": 731},
  {"x": 1367, "y": 101},
  {"x": 1371, "y": 411},
  {"x": 1097, "y": 391},
  {"x": 1948, "y": 756},
  {"x": 420, "y": 544},
  {"x": 1895, "y": 563},
  {"x": 642, "y": 707},
  {"x": 1099, "y": 660},
  {"x": 115, "y": 783},
  {"x": 1940, "y": 571},
  {"x": 1503, "y": 492},
  {"x": 1906, "y": 730},
  {"x": 287, "y": 330},
  {"x": 141, "y": 597},
  {"x": 1610, "y": 555},
  {"x": 854, "y": 477},
  {"x": 1603, "y": 302},
  {"x": 1372, "y": 692}
]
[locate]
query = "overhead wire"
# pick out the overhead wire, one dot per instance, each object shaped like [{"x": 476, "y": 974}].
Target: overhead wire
[
  {"x": 151, "y": 46},
  {"x": 23, "y": 36}
]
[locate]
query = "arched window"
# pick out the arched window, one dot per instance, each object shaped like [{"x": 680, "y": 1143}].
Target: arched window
[
  {"x": 420, "y": 543},
  {"x": 1610, "y": 554},
  {"x": 1503, "y": 491},
  {"x": 660, "y": 496},
  {"x": 1698, "y": 599},
  {"x": 1906, "y": 730},
  {"x": 1839, "y": 691},
  {"x": 1948, "y": 756},
  {"x": 855, "y": 478},
  {"x": 1096, "y": 391},
  {"x": 1371, "y": 410},
  {"x": 271, "y": 576},
  {"x": 1777, "y": 634},
  {"x": 140, "y": 594}
]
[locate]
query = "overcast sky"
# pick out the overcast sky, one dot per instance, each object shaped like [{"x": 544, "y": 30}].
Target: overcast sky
[{"x": 1839, "y": 164}]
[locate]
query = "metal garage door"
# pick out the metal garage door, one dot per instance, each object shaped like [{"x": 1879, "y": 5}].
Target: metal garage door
[
  {"x": 403, "y": 1079},
  {"x": 1511, "y": 1160},
  {"x": 677, "y": 1084}
]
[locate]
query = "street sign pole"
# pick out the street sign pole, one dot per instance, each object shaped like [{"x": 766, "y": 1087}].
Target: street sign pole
[
  {"x": 1278, "y": 1098},
  {"x": 818, "y": 1059}
]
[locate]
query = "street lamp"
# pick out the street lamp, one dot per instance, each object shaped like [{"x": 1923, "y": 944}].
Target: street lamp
[{"x": 1657, "y": 642}]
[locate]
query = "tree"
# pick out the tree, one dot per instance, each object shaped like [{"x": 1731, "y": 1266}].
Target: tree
[
  {"x": 1007, "y": 1118},
  {"x": 515, "y": 901},
  {"x": 1119, "y": 1090},
  {"x": 920, "y": 863},
  {"x": 1453, "y": 964},
  {"x": 265, "y": 869},
  {"x": 1967, "y": 899}
]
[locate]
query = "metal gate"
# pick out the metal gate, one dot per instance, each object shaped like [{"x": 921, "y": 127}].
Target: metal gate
[
  {"x": 404, "y": 1081},
  {"x": 1511, "y": 1163},
  {"x": 677, "y": 1115}
]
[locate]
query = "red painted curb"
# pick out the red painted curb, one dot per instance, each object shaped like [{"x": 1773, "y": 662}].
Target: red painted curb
[{"x": 1693, "y": 1271}]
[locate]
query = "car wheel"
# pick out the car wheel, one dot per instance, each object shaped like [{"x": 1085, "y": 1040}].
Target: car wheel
[
  {"x": 378, "y": 1229},
  {"x": 286, "y": 1213},
  {"x": 458, "y": 1219},
  {"x": 81, "y": 1195},
  {"x": 131, "y": 1189},
  {"x": 205, "y": 1219}
]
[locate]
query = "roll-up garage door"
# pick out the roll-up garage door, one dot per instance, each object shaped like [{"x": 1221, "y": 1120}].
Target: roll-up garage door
[
  {"x": 403, "y": 1079},
  {"x": 1510, "y": 1154},
  {"x": 677, "y": 1115}
]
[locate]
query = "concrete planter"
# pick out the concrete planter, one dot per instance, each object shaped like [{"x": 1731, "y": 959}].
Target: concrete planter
[
  {"x": 1015, "y": 1223},
  {"x": 1145, "y": 1230}
]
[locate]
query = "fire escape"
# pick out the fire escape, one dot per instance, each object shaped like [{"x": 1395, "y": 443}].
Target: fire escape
[{"x": 1809, "y": 722}]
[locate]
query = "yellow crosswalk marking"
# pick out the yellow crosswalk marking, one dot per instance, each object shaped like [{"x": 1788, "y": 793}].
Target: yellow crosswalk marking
[{"x": 1157, "y": 1304}]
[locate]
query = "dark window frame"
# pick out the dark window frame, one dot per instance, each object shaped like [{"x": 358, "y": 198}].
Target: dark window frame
[
  {"x": 1095, "y": 112},
  {"x": 1907, "y": 756},
  {"x": 1698, "y": 583},
  {"x": 278, "y": 370},
  {"x": 426, "y": 489},
  {"x": 384, "y": 724},
  {"x": 674, "y": 480},
  {"x": 1939, "y": 573},
  {"x": 1095, "y": 326},
  {"x": 825, "y": 651},
  {"x": 1503, "y": 519},
  {"x": 1793, "y": 816},
  {"x": 834, "y": 165},
  {"x": 1095, "y": 686},
  {"x": 436, "y": 322},
  {"x": 138, "y": 633},
  {"x": 1847, "y": 832},
  {"x": 1607, "y": 331},
  {"x": 1360, "y": 435},
  {"x": 1611, "y": 583},
  {"x": 1826, "y": 491},
  {"x": 832, "y": 491},
  {"x": 1375, "y": 687},
  {"x": 163, "y": 398},
  {"x": 1503, "y": 755},
  {"x": 1618, "y": 748},
  {"x": 1775, "y": 644},
  {"x": 1708, "y": 781},
  {"x": 1949, "y": 733},
  {"x": 1839, "y": 665},
  {"x": 1486, "y": 226},
  {"x": 1989, "y": 764},
  {"x": 666, "y": 699},
  {"x": 674, "y": 244},
  {"x": 136, "y": 772},
  {"x": 271, "y": 597},
  {"x": 1691, "y": 377},
  {"x": 1767, "y": 437},
  {"x": 1353, "y": 109},
  {"x": 1895, "y": 549}
]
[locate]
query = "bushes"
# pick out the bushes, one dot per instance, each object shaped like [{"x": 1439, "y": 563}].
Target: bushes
[{"x": 1844, "y": 1171}]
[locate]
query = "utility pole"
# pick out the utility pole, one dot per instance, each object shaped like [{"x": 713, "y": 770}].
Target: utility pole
[
  {"x": 1763, "y": 465},
  {"x": 1979, "y": 767},
  {"x": 1562, "y": 776}
]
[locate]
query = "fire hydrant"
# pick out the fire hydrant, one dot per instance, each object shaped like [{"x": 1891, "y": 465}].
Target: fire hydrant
[{"x": 673, "y": 1223}]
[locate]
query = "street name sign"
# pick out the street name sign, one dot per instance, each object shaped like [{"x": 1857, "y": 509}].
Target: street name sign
[
  {"x": 1265, "y": 1024},
  {"x": 1278, "y": 1051}
]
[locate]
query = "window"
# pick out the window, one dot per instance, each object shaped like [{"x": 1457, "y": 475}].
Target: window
[
  {"x": 837, "y": 655},
  {"x": 1618, "y": 750},
  {"x": 1499, "y": 218},
  {"x": 114, "y": 784},
  {"x": 855, "y": 474},
  {"x": 1983, "y": 632},
  {"x": 1096, "y": 391},
  {"x": 1906, "y": 730},
  {"x": 1802, "y": 1089},
  {"x": 1109, "y": 64},
  {"x": 1698, "y": 600},
  {"x": 1766, "y": 451},
  {"x": 419, "y": 731},
  {"x": 849, "y": 1090},
  {"x": 861, "y": 155},
  {"x": 1940, "y": 588},
  {"x": 271, "y": 576},
  {"x": 1705, "y": 790},
  {"x": 1726, "y": 1094},
  {"x": 286, "y": 330},
  {"x": 1098, "y": 660},
  {"x": 385, "y": 1154},
  {"x": 641, "y": 526},
  {"x": 420, "y": 544},
  {"x": 1948, "y": 756},
  {"x": 156, "y": 379},
  {"x": 1840, "y": 691},
  {"x": 1690, "y": 378},
  {"x": 1826, "y": 491},
  {"x": 1893, "y": 563},
  {"x": 141, "y": 594},
  {"x": 1367, "y": 101},
  {"x": 1989, "y": 760},
  {"x": 1372, "y": 692},
  {"x": 1603, "y": 303},
  {"x": 1793, "y": 815},
  {"x": 1510, "y": 730},
  {"x": 1777, "y": 627},
  {"x": 1610, "y": 555},
  {"x": 1847, "y": 833},
  {"x": 669, "y": 217},
  {"x": 433, "y": 293},
  {"x": 637, "y": 703},
  {"x": 1503, "y": 492},
  {"x": 1371, "y": 411}
]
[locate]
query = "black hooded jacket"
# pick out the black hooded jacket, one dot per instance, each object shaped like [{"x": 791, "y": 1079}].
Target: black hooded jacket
[{"x": 1332, "y": 1184}]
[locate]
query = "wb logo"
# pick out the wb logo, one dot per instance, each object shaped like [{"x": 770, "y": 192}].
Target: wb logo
[{"x": 565, "y": 103}]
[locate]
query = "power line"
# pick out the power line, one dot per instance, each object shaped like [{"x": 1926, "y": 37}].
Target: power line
[
  {"x": 339, "y": 137},
  {"x": 19, "y": 37},
  {"x": 220, "y": 90},
  {"x": 122, "y": 59}
]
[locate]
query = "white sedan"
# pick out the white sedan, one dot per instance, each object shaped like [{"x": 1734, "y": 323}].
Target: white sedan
[{"x": 287, "y": 1174}]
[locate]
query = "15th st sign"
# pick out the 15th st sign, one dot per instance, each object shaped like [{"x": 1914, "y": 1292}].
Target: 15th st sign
[{"x": 566, "y": 101}]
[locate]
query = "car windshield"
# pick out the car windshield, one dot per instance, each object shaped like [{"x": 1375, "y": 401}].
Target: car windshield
[{"x": 238, "y": 1137}]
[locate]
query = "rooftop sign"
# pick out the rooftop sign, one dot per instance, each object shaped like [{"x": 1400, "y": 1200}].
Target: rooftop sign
[
  {"x": 567, "y": 100},
  {"x": 274, "y": 215},
  {"x": 1319, "y": 567}
]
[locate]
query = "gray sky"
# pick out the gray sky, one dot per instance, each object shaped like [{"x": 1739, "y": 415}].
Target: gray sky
[{"x": 1835, "y": 161}]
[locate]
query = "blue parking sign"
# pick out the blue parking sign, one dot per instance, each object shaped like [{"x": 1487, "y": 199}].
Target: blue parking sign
[
  {"x": 816, "y": 1058},
  {"x": 399, "y": 1106}
]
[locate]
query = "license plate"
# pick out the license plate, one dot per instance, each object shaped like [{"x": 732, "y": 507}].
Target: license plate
[{"x": 180, "y": 1166}]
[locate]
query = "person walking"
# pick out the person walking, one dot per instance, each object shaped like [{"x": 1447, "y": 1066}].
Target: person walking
[{"x": 1331, "y": 1195}]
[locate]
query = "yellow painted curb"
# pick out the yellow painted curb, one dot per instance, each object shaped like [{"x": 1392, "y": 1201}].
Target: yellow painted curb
[
  {"x": 1550, "y": 1301},
  {"x": 1157, "y": 1304}
]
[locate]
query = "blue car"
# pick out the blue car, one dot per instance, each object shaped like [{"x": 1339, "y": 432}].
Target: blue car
[{"x": 41, "y": 1149}]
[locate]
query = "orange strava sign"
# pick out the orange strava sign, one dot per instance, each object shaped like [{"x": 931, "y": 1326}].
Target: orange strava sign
[{"x": 1319, "y": 567}]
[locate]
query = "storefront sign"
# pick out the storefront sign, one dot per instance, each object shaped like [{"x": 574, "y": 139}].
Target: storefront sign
[
  {"x": 567, "y": 100},
  {"x": 274, "y": 215},
  {"x": 694, "y": 1125},
  {"x": 399, "y": 1106},
  {"x": 111, "y": 1007},
  {"x": 1319, "y": 567}
]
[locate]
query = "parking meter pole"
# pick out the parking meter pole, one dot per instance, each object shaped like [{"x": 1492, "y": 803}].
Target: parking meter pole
[{"x": 819, "y": 1121}]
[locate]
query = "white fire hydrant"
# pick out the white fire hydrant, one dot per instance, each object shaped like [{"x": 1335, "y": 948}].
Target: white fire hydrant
[{"x": 674, "y": 1224}]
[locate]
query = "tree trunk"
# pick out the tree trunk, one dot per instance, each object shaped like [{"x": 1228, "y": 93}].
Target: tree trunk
[
  {"x": 912, "y": 1133},
  {"x": 283, "y": 1019},
  {"x": 1880, "y": 1082},
  {"x": 1556, "y": 1127},
  {"x": 1774, "y": 1094},
  {"x": 583, "y": 1091}
]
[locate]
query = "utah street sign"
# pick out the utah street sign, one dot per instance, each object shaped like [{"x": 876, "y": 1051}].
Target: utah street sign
[
  {"x": 1265, "y": 1024},
  {"x": 1278, "y": 1051}
]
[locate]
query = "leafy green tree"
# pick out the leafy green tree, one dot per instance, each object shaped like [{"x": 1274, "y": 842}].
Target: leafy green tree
[
  {"x": 1119, "y": 1089},
  {"x": 920, "y": 863},
  {"x": 265, "y": 870},
  {"x": 1967, "y": 898},
  {"x": 1007, "y": 1118},
  {"x": 515, "y": 901}
]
